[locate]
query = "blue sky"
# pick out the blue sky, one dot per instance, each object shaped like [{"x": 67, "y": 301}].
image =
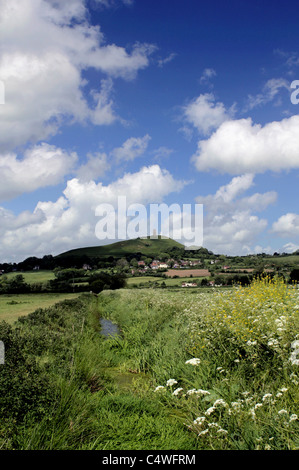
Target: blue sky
[{"x": 160, "y": 101}]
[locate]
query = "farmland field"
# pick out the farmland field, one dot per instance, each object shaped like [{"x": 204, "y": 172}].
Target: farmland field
[
  {"x": 188, "y": 272},
  {"x": 143, "y": 280},
  {"x": 13, "y": 306},
  {"x": 33, "y": 276}
]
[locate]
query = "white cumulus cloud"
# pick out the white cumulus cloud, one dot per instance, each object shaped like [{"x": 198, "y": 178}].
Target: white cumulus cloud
[
  {"x": 42, "y": 165},
  {"x": 70, "y": 221},
  {"x": 287, "y": 225},
  {"x": 240, "y": 146},
  {"x": 205, "y": 114},
  {"x": 43, "y": 78},
  {"x": 231, "y": 225},
  {"x": 132, "y": 148}
]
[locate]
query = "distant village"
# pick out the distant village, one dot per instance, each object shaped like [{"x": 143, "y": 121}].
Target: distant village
[
  {"x": 169, "y": 264},
  {"x": 175, "y": 268}
]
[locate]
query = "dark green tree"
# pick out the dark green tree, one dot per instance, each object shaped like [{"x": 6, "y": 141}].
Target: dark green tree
[{"x": 294, "y": 276}]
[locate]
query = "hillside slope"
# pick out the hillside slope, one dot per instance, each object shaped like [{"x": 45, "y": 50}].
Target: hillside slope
[{"x": 146, "y": 246}]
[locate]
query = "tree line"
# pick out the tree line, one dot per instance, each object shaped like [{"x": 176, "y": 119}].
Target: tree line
[{"x": 68, "y": 280}]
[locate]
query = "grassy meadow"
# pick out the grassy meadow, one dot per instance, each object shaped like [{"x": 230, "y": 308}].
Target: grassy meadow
[
  {"x": 13, "y": 306},
  {"x": 32, "y": 277},
  {"x": 189, "y": 370},
  {"x": 168, "y": 282}
]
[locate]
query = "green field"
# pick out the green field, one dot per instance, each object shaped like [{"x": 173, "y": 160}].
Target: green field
[
  {"x": 291, "y": 260},
  {"x": 13, "y": 306},
  {"x": 33, "y": 276},
  {"x": 169, "y": 282}
]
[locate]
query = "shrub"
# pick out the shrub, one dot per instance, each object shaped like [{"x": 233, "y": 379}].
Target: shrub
[{"x": 24, "y": 389}]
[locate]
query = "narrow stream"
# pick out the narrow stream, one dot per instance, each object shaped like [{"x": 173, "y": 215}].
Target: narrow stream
[
  {"x": 125, "y": 380},
  {"x": 108, "y": 328}
]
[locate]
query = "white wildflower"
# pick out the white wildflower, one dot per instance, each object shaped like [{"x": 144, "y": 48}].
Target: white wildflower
[
  {"x": 293, "y": 358},
  {"x": 248, "y": 400},
  {"x": 199, "y": 421},
  {"x": 202, "y": 392},
  {"x": 171, "y": 382},
  {"x": 177, "y": 391},
  {"x": 191, "y": 392},
  {"x": 258, "y": 405},
  {"x": 213, "y": 425},
  {"x": 293, "y": 417},
  {"x": 160, "y": 387},
  {"x": 222, "y": 431},
  {"x": 194, "y": 362},
  {"x": 282, "y": 412},
  {"x": 220, "y": 402},
  {"x": 294, "y": 378},
  {"x": 210, "y": 411},
  {"x": 273, "y": 342},
  {"x": 203, "y": 432},
  {"x": 266, "y": 396},
  {"x": 236, "y": 405},
  {"x": 251, "y": 343}
]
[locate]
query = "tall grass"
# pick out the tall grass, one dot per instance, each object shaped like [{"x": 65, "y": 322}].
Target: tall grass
[
  {"x": 246, "y": 378},
  {"x": 202, "y": 371}
]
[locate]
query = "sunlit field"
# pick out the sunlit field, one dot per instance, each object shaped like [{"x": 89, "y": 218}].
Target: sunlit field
[
  {"x": 33, "y": 276},
  {"x": 13, "y": 306},
  {"x": 168, "y": 282}
]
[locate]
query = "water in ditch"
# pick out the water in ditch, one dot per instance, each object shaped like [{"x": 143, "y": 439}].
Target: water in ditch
[{"x": 109, "y": 329}]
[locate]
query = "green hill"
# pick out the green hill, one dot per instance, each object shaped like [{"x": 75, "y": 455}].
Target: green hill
[{"x": 146, "y": 246}]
